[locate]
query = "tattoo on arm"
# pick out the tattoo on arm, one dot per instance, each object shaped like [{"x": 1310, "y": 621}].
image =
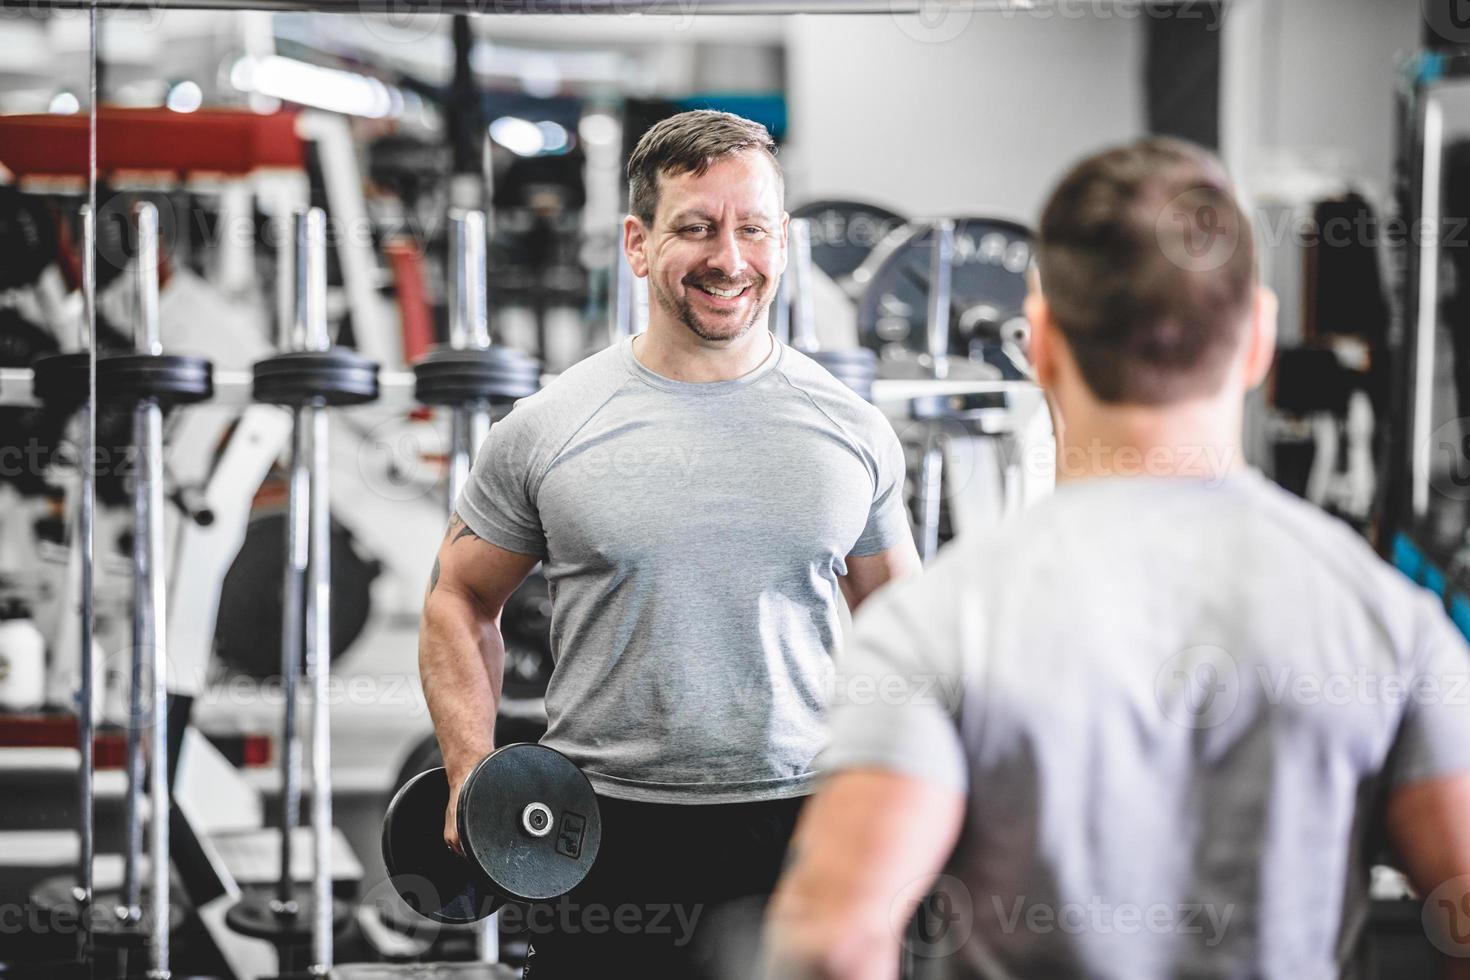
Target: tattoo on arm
[{"x": 459, "y": 528}]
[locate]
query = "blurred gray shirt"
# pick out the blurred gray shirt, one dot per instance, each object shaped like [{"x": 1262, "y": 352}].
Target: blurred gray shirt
[
  {"x": 692, "y": 536},
  {"x": 1175, "y": 708}
]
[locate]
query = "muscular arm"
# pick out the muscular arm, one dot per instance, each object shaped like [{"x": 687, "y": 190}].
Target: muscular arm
[
  {"x": 461, "y": 652},
  {"x": 867, "y": 573},
  {"x": 867, "y": 850},
  {"x": 1429, "y": 826}
]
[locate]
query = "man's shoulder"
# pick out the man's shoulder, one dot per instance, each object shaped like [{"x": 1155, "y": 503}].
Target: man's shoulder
[
  {"x": 573, "y": 395},
  {"x": 847, "y": 408}
]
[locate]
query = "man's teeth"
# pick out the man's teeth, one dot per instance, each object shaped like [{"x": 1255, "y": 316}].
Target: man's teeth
[{"x": 723, "y": 293}]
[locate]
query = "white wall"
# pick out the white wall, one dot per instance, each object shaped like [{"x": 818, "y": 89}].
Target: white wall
[
  {"x": 974, "y": 113},
  {"x": 1314, "y": 81}
]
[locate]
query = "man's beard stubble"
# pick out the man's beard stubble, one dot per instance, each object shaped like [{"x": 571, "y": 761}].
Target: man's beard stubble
[{"x": 682, "y": 311}]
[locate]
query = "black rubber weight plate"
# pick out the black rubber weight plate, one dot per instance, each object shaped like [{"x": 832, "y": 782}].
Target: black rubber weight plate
[
  {"x": 171, "y": 378},
  {"x": 492, "y": 822},
  {"x": 339, "y": 377},
  {"x": 433, "y": 880},
  {"x": 60, "y": 380},
  {"x": 844, "y": 233},
  {"x": 988, "y": 287}
]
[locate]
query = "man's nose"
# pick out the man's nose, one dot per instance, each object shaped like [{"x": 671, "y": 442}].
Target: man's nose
[{"x": 726, "y": 256}]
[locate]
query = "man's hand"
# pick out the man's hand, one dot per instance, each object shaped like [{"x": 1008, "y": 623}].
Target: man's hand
[{"x": 451, "y": 814}]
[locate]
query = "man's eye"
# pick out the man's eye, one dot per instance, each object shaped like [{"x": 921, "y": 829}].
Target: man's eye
[
  {"x": 755, "y": 231},
  {"x": 695, "y": 229}
]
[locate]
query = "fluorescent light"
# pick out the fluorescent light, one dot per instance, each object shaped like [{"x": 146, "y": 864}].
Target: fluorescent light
[
  {"x": 519, "y": 136},
  {"x": 185, "y": 97},
  {"x": 599, "y": 129},
  {"x": 323, "y": 88},
  {"x": 554, "y": 137}
]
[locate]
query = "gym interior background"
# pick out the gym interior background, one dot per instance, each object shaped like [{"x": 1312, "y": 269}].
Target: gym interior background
[{"x": 469, "y": 170}]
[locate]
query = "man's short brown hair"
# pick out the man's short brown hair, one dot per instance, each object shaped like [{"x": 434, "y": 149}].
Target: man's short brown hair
[
  {"x": 1147, "y": 263},
  {"x": 687, "y": 144}
]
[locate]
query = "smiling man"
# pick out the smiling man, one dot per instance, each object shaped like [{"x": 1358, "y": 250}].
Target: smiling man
[{"x": 699, "y": 496}]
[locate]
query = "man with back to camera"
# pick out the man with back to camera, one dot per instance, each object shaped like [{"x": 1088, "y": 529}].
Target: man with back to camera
[
  {"x": 698, "y": 496},
  {"x": 1100, "y": 723}
]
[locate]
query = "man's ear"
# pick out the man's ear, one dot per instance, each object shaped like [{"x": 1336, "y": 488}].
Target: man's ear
[
  {"x": 1041, "y": 347},
  {"x": 635, "y": 236},
  {"x": 1260, "y": 349}
]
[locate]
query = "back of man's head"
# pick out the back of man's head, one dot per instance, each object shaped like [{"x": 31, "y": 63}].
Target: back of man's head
[{"x": 1148, "y": 267}]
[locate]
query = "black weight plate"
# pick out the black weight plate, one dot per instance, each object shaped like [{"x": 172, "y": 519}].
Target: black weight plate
[
  {"x": 60, "y": 380},
  {"x": 433, "y": 880},
  {"x": 988, "y": 288},
  {"x": 844, "y": 233},
  {"x": 338, "y": 377},
  {"x": 173, "y": 379},
  {"x": 27, "y": 238},
  {"x": 447, "y": 376},
  {"x": 255, "y": 917},
  {"x": 494, "y": 810},
  {"x": 55, "y": 898}
]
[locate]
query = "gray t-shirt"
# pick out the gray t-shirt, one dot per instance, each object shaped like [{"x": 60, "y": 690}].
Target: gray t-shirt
[
  {"x": 1173, "y": 706},
  {"x": 692, "y": 536}
]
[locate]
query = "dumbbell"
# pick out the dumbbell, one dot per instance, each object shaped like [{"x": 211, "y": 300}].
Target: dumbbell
[{"x": 529, "y": 826}]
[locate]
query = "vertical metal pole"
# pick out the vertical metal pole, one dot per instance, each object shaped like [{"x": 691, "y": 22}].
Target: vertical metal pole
[
  {"x": 146, "y": 341},
  {"x": 941, "y": 268},
  {"x": 150, "y": 597},
  {"x": 318, "y": 658},
  {"x": 292, "y": 598},
  {"x": 469, "y": 328},
  {"x": 312, "y": 287},
  {"x": 85, "y": 516},
  {"x": 931, "y": 465},
  {"x": 1426, "y": 325},
  {"x": 151, "y": 464},
  {"x": 803, "y": 310},
  {"x": 931, "y": 484}
]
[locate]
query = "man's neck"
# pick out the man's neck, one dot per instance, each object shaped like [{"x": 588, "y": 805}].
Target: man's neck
[
  {"x": 1200, "y": 439},
  {"x": 676, "y": 353}
]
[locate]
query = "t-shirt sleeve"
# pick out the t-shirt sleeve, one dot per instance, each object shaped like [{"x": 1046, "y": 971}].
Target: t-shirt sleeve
[
  {"x": 1434, "y": 733},
  {"x": 497, "y": 501},
  {"x": 888, "y": 518},
  {"x": 899, "y": 684}
]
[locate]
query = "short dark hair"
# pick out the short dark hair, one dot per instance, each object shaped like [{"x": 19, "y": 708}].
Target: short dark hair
[
  {"x": 1148, "y": 265},
  {"x": 687, "y": 144}
]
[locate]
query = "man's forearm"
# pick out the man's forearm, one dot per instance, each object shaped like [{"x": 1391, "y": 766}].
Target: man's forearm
[{"x": 461, "y": 663}]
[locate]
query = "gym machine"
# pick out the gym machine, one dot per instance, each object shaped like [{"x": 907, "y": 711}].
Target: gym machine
[{"x": 309, "y": 378}]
